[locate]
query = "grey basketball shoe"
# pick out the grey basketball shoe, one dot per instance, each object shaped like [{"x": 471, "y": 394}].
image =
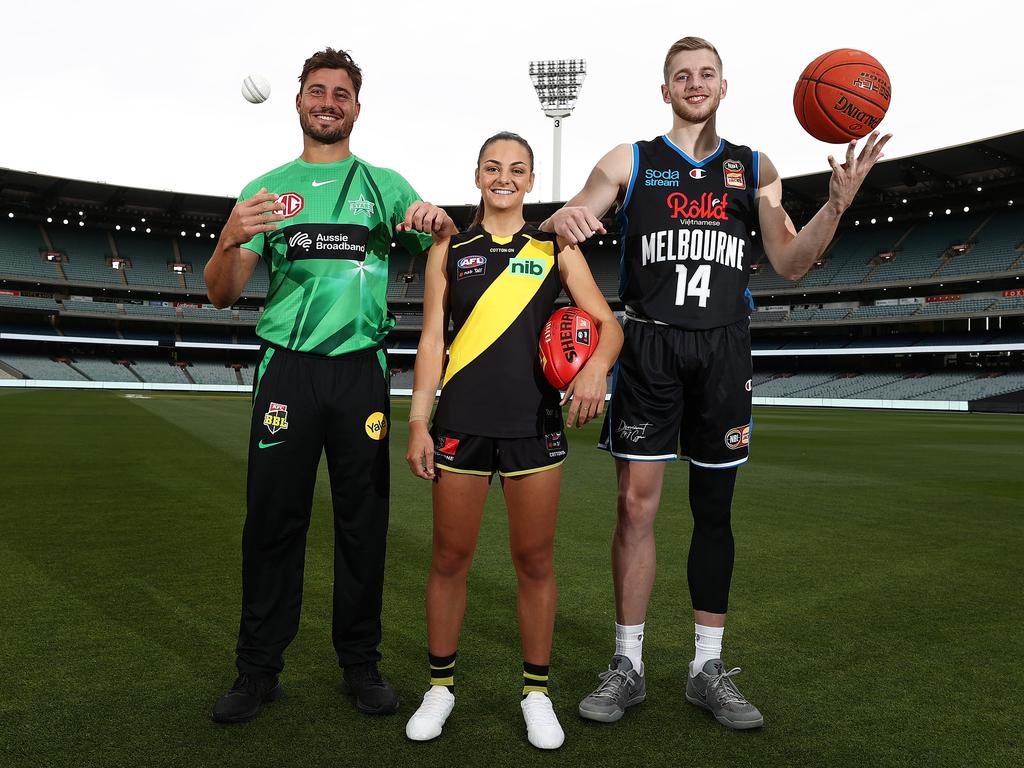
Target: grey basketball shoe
[
  {"x": 714, "y": 690},
  {"x": 621, "y": 686}
]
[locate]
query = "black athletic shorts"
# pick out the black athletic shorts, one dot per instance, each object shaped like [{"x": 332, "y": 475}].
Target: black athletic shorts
[
  {"x": 508, "y": 456},
  {"x": 681, "y": 394}
]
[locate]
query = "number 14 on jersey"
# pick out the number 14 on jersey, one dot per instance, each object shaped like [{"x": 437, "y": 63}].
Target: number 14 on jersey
[{"x": 698, "y": 285}]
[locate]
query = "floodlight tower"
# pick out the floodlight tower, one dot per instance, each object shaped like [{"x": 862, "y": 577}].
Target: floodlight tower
[{"x": 558, "y": 83}]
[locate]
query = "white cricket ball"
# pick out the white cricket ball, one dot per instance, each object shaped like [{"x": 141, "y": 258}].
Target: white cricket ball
[{"x": 256, "y": 89}]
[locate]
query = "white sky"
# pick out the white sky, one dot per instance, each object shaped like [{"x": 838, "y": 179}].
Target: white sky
[{"x": 147, "y": 94}]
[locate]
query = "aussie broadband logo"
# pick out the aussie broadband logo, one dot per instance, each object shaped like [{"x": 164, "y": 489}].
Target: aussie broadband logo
[
  {"x": 526, "y": 267},
  {"x": 326, "y": 241},
  {"x": 376, "y": 426},
  {"x": 654, "y": 177},
  {"x": 276, "y": 418}
]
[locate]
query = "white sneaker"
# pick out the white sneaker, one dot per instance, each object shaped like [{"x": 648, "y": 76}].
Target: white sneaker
[
  {"x": 427, "y": 722},
  {"x": 542, "y": 728}
]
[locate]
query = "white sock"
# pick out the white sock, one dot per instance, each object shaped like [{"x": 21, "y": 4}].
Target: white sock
[
  {"x": 629, "y": 642},
  {"x": 708, "y": 644}
]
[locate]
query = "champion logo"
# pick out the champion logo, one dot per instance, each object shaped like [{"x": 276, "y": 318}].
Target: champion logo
[
  {"x": 300, "y": 240},
  {"x": 698, "y": 173}
]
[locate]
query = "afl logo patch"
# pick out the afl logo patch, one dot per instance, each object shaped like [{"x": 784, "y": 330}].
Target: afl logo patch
[
  {"x": 471, "y": 266},
  {"x": 376, "y": 426},
  {"x": 698, "y": 173}
]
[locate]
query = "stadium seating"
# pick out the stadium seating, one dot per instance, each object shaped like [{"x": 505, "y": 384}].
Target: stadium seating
[
  {"x": 21, "y": 244},
  {"x": 92, "y": 307},
  {"x": 40, "y": 367},
  {"x": 996, "y": 248},
  {"x": 87, "y": 251},
  {"x": 212, "y": 373},
  {"x": 28, "y": 302},
  {"x": 149, "y": 257},
  {"x": 99, "y": 369}
]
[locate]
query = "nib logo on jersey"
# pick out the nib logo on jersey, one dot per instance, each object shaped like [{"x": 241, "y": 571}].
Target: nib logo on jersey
[{"x": 326, "y": 241}]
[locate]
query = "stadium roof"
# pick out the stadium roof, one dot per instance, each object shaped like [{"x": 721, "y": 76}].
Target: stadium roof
[{"x": 951, "y": 176}]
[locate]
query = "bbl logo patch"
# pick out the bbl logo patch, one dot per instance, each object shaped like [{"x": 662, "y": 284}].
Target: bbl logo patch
[
  {"x": 361, "y": 206},
  {"x": 734, "y": 176},
  {"x": 376, "y": 426},
  {"x": 738, "y": 437},
  {"x": 276, "y": 418},
  {"x": 292, "y": 203}
]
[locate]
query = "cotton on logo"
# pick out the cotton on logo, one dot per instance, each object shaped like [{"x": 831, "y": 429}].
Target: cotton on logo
[
  {"x": 292, "y": 203},
  {"x": 300, "y": 239}
]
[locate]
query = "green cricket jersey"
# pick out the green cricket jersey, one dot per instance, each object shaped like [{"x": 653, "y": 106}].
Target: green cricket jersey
[{"x": 328, "y": 260}]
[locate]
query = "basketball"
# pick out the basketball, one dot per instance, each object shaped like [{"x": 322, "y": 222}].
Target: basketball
[
  {"x": 567, "y": 341},
  {"x": 842, "y": 95}
]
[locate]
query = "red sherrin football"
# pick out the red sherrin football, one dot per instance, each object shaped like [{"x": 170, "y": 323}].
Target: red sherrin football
[{"x": 568, "y": 340}]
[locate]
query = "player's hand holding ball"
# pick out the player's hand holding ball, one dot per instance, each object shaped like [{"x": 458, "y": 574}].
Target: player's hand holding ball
[{"x": 567, "y": 342}]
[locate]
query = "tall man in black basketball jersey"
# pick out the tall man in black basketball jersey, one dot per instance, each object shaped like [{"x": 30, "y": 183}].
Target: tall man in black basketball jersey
[{"x": 687, "y": 203}]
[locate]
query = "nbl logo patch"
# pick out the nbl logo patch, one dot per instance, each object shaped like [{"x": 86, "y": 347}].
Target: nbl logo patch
[
  {"x": 738, "y": 437},
  {"x": 276, "y": 418},
  {"x": 734, "y": 174}
]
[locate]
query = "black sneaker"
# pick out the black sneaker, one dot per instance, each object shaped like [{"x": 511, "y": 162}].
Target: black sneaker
[
  {"x": 246, "y": 698},
  {"x": 374, "y": 695}
]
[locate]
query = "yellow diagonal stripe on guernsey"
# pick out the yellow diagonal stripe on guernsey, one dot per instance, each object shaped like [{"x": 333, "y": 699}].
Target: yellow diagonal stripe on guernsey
[{"x": 498, "y": 307}]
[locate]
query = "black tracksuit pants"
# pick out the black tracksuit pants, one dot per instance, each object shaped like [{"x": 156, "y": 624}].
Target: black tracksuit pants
[{"x": 304, "y": 405}]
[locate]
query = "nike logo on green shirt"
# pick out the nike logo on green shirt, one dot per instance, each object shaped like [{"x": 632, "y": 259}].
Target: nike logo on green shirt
[{"x": 270, "y": 445}]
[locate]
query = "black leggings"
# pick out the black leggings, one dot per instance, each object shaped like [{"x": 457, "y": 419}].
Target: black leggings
[{"x": 709, "y": 566}]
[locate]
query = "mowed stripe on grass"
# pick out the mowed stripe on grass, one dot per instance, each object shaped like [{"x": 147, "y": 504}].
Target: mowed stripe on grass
[{"x": 875, "y": 607}]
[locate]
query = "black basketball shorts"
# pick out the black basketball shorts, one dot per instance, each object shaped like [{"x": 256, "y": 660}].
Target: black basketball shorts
[{"x": 681, "y": 394}]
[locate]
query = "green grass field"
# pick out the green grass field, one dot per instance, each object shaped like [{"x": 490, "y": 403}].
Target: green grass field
[{"x": 876, "y": 608}]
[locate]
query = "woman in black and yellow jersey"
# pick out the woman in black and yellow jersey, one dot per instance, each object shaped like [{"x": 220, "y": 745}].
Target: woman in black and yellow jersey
[{"x": 497, "y": 284}]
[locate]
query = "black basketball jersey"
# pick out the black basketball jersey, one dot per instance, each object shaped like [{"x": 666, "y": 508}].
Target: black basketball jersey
[
  {"x": 501, "y": 291},
  {"x": 687, "y": 244}
]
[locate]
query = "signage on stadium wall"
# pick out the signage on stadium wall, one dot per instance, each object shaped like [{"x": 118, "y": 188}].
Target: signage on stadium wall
[
  {"x": 1013, "y": 292},
  {"x": 913, "y": 300},
  {"x": 949, "y": 297},
  {"x": 887, "y": 302},
  {"x": 80, "y": 298},
  {"x": 6, "y": 292},
  {"x": 774, "y": 308},
  {"x": 188, "y": 305}
]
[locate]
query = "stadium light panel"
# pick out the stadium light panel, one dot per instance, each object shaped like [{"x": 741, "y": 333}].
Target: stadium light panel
[
  {"x": 599, "y": 242},
  {"x": 133, "y": 229},
  {"x": 967, "y": 209},
  {"x": 143, "y": 219},
  {"x": 212, "y": 235},
  {"x": 856, "y": 223},
  {"x": 948, "y": 211},
  {"x": 117, "y": 227},
  {"x": 615, "y": 242},
  {"x": 65, "y": 221},
  {"x": 203, "y": 226},
  {"x": 10, "y": 215},
  {"x": 183, "y": 233},
  {"x": 890, "y": 218},
  {"x": 979, "y": 189},
  {"x": 81, "y": 213},
  {"x": 199, "y": 234},
  {"x": 148, "y": 230},
  {"x": 81, "y": 223},
  {"x": 873, "y": 221}
]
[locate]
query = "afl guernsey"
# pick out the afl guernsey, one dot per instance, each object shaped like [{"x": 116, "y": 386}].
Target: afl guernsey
[
  {"x": 686, "y": 229},
  {"x": 328, "y": 260},
  {"x": 501, "y": 291}
]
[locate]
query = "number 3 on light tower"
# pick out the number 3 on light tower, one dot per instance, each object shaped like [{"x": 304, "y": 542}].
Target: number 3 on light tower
[{"x": 698, "y": 285}]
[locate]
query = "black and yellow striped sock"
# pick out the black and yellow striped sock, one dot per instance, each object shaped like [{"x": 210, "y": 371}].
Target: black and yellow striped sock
[
  {"x": 535, "y": 678},
  {"x": 442, "y": 670}
]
